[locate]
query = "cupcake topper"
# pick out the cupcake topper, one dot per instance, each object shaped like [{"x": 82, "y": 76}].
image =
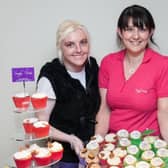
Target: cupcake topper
[{"x": 23, "y": 74}]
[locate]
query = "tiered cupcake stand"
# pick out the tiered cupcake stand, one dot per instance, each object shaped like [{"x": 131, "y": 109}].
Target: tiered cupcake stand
[{"x": 27, "y": 139}]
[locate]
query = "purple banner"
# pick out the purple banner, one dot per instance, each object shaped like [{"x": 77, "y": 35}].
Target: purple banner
[{"x": 23, "y": 74}]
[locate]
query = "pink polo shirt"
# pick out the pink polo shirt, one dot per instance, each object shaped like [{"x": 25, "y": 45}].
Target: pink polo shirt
[{"x": 133, "y": 102}]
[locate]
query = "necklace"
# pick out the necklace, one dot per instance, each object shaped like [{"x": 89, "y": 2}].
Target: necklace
[
  {"x": 131, "y": 70},
  {"x": 131, "y": 65}
]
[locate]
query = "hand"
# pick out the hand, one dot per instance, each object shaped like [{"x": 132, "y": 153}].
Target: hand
[{"x": 76, "y": 144}]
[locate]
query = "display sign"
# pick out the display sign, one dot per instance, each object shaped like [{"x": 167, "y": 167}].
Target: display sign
[{"x": 23, "y": 74}]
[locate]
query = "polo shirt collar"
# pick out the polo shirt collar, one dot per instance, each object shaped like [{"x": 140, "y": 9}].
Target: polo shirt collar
[{"x": 147, "y": 55}]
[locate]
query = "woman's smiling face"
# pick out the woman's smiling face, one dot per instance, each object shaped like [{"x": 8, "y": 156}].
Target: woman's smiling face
[
  {"x": 134, "y": 39},
  {"x": 75, "y": 50}
]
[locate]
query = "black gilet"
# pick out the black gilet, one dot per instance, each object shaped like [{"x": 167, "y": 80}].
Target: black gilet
[{"x": 76, "y": 106}]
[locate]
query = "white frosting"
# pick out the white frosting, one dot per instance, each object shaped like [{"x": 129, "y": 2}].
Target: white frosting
[
  {"x": 157, "y": 161},
  {"x": 162, "y": 152},
  {"x": 109, "y": 147},
  {"x": 30, "y": 120},
  {"x": 129, "y": 159},
  {"x": 92, "y": 145},
  {"x": 159, "y": 143},
  {"x": 119, "y": 152},
  {"x": 142, "y": 164},
  {"x": 135, "y": 134},
  {"x": 55, "y": 146},
  {"x": 145, "y": 145},
  {"x": 39, "y": 95},
  {"x": 39, "y": 124},
  {"x": 114, "y": 161},
  {"x": 34, "y": 147},
  {"x": 22, "y": 154},
  {"x": 104, "y": 154},
  {"x": 150, "y": 139},
  {"x": 123, "y": 133},
  {"x": 43, "y": 152},
  {"x": 124, "y": 142},
  {"x": 110, "y": 137},
  {"x": 21, "y": 95},
  {"x": 148, "y": 155},
  {"x": 132, "y": 149},
  {"x": 98, "y": 138}
]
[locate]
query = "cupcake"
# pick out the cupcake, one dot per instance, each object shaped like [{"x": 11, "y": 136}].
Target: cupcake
[
  {"x": 135, "y": 137},
  {"x": 162, "y": 152},
  {"x": 157, "y": 162},
  {"x": 145, "y": 146},
  {"x": 39, "y": 100},
  {"x": 119, "y": 152},
  {"x": 150, "y": 139},
  {"x": 93, "y": 147},
  {"x": 28, "y": 124},
  {"x": 159, "y": 143},
  {"x": 103, "y": 156},
  {"x": 124, "y": 142},
  {"x": 33, "y": 148},
  {"x": 114, "y": 161},
  {"x": 56, "y": 150},
  {"x": 133, "y": 150},
  {"x": 130, "y": 160},
  {"x": 42, "y": 157},
  {"x": 91, "y": 158},
  {"x": 122, "y": 133},
  {"x": 41, "y": 129},
  {"x": 21, "y": 101},
  {"x": 98, "y": 138},
  {"x": 147, "y": 155},
  {"x": 142, "y": 164},
  {"x": 108, "y": 147},
  {"x": 110, "y": 138},
  {"x": 23, "y": 159}
]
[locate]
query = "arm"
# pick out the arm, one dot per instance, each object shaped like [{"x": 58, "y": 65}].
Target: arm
[
  {"x": 44, "y": 86},
  {"x": 163, "y": 117},
  {"x": 74, "y": 141},
  {"x": 103, "y": 115}
]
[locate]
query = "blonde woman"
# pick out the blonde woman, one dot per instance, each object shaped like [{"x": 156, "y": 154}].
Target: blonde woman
[{"x": 71, "y": 83}]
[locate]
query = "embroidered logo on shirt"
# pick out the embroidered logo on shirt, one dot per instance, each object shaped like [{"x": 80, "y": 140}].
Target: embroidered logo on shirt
[{"x": 141, "y": 91}]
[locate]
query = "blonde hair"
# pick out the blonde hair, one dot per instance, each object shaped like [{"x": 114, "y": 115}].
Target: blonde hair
[{"x": 64, "y": 29}]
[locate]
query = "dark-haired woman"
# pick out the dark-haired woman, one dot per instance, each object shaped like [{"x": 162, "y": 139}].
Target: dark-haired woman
[{"x": 134, "y": 81}]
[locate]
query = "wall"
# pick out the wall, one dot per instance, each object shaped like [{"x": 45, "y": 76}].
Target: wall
[{"x": 27, "y": 38}]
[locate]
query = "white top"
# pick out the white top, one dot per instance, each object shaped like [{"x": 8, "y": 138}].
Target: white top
[{"x": 44, "y": 85}]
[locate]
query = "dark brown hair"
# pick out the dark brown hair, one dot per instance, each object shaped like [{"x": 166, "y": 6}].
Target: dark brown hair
[{"x": 140, "y": 16}]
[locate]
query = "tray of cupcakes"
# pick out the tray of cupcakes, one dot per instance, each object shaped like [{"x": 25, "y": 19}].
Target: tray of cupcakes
[
  {"x": 125, "y": 150},
  {"x": 33, "y": 155}
]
